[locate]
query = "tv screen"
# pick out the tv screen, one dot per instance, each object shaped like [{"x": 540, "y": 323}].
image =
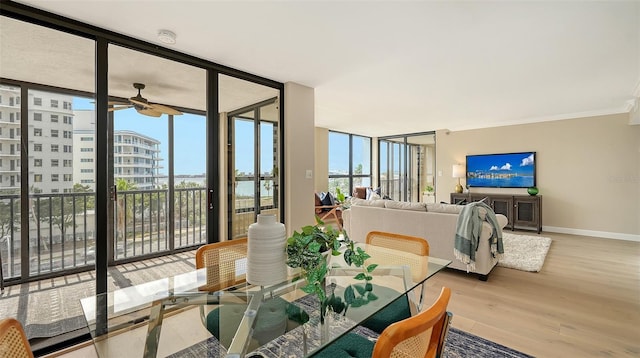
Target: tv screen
[{"x": 508, "y": 170}]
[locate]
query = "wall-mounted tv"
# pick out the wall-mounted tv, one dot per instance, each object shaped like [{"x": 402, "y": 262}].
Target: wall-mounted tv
[{"x": 508, "y": 170}]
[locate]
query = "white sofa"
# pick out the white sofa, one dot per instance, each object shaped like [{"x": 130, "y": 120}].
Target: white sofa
[{"x": 434, "y": 222}]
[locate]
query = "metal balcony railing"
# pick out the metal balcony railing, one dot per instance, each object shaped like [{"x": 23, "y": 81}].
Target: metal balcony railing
[{"x": 62, "y": 228}]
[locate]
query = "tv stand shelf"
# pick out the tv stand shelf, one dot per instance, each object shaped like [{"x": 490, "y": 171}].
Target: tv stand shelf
[{"x": 522, "y": 211}]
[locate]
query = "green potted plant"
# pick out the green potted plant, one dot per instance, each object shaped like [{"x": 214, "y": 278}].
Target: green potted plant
[{"x": 309, "y": 248}]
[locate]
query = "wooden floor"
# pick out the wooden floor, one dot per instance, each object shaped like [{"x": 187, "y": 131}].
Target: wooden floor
[{"x": 584, "y": 303}]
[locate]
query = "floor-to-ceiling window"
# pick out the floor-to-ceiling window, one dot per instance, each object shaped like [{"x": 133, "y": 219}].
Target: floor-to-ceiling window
[
  {"x": 349, "y": 162},
  {"x": 406, "y": 165},
  {"x": 166, "y": 162},
  {"x": 160, "y": 180},
  {"x": 253, "y": 156}
]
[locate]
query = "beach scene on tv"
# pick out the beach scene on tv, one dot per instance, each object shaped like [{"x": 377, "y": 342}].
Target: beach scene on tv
[{"x": 513, "y": 170}]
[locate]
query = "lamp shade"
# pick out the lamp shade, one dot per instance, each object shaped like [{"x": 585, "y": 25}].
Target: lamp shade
[{"x": 458, "y": 171}]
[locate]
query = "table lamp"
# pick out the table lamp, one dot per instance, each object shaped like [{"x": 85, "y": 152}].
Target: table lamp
[{"x": 458, "y": 172}]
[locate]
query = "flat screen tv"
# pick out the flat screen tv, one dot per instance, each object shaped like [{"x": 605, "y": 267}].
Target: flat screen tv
[{"x": 508, "y": 170}]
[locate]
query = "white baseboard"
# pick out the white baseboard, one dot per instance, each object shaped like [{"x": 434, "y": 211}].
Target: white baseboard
[{"x": 603, "y": 234}]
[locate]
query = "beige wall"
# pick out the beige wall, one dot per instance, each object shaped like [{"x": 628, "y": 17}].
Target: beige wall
[
  {"x": 321, "y": 171},
  {"x": 299, "y": 138},
  {"x": 588, "y": 170}
]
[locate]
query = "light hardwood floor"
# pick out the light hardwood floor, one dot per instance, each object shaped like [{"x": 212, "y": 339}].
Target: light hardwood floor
[{"x": 585, "y": 302}]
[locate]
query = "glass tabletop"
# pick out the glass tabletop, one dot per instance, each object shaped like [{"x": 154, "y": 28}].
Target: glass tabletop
[{"x": 170, "y": 317}]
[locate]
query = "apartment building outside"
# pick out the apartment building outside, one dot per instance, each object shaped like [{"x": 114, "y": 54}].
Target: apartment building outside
[
  {"x": 50, "y": 144},
  {"x": 136, "y": 157}
]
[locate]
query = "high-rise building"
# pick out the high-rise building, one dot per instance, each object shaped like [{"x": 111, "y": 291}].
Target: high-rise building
[
  {"x": 9, "y": 138},
  {"x": 136, "y": 157},
  {"x": 50, "y": 147}
]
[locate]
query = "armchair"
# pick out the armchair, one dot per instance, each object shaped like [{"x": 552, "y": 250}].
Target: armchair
[{"x": 328, "y": 213}]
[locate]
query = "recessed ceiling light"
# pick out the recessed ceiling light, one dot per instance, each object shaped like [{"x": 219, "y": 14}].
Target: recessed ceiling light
[{"x": 166, "y": 37}]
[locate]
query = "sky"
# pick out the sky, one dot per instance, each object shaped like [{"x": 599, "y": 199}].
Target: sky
[
  {"x": 521, "y": 163},
  {"x": 190, "y": 143}
]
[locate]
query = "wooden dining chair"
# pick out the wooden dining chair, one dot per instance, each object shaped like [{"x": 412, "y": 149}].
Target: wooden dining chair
[
  {"x": 403, "y": 307},
  {"x": 422, "y": 335},
  {"x": 13, "y": 341},
  {"x": 222, "y": 261}
]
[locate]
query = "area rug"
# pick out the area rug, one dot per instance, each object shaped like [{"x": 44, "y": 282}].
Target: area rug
[
  {"x": 460, "y": 344},
  {"x": 524, "y": 252}
]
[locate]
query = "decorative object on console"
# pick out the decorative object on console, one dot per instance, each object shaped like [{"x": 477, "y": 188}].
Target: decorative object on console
[
  {"x": 532, "y": 191},
  {"x": 458, "y": 172},
  {"x": 266, "y": 251}
]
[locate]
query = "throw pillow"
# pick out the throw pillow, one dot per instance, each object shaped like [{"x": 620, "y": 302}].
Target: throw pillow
[{"x": 328, "y": 200}]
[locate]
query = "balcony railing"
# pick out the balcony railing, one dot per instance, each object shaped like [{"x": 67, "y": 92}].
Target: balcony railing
[{"x": 62, "y": 228}]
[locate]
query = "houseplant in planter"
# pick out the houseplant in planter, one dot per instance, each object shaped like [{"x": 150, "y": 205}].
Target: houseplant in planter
[{"x": 309, "y": 248}]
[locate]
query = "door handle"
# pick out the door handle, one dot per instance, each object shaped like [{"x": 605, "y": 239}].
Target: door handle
[{"x": 210, "y": 199}]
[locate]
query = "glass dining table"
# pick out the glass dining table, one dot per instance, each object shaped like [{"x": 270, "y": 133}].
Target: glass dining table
[{"x": 170, "y": 317}]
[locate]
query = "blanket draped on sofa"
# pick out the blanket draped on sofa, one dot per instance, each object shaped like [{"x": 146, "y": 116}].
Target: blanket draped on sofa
[{"x": 468, "y": 230}]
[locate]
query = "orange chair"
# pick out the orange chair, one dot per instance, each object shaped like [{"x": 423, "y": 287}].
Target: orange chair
[
  {"x": 13, "y": 341},
  {"x": 220, "y": 260},
  {"x": 413, "y": 244},
  {"x": 422, "y": 335}
]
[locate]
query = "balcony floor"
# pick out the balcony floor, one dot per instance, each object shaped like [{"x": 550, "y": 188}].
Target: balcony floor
[{"x": 51, "y": 307}]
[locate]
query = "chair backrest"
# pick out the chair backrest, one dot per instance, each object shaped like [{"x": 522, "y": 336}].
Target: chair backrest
[
  {"x": 413, "y": 244},
  {"x": 225, "y": 263},
  {"x": 419, "y": 336},
  {"x": 13, "y": 341}
]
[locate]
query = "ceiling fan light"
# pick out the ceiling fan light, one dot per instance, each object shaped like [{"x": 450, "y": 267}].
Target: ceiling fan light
[{"x": 167, "y": 37}]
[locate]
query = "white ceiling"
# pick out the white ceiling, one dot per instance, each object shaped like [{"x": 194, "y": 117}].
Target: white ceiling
[{"x": 392, "y": 67}]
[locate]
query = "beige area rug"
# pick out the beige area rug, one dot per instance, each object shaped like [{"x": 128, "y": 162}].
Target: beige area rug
[{"x": 524, "y": 252}]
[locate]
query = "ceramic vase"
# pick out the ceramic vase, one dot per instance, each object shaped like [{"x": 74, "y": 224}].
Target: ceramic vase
[{"x": 266, "y": 254}]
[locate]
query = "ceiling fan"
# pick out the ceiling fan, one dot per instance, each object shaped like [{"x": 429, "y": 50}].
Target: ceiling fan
[{"x": 142, "y": 105}]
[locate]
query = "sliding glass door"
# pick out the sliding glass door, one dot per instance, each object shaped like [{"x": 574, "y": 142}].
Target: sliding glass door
[
  {"x": 254, "y": 159},
  {"x": 406, "y": 165}
]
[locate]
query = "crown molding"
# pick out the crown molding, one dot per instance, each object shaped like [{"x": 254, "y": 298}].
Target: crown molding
[{"x": 603, "y": 112}]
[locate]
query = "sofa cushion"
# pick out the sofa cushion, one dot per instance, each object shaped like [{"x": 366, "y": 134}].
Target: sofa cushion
[
  {"x": 445, "y": 208},
  {"x": 404, "y": 205},
  {"x": 362, "y": 202}
]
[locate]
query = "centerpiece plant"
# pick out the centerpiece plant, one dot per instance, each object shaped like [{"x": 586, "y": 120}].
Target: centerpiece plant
[{"x": 309, "y": 248}]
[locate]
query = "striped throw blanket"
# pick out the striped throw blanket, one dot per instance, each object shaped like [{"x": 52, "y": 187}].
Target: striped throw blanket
[{"x": 468, "y": 230}]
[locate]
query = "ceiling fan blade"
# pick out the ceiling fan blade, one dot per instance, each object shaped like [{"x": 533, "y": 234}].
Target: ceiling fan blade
[
  {"x": 111, "y": 109},
  {"x": 149, "y": 112},
  {"x": 139, "y": 102},
  {"x": 113, "y": 103},
  {"x": 164, "y": 109}
]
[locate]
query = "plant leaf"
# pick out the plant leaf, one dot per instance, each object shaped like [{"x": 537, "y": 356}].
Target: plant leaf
[{"x": 360, "y": 276}]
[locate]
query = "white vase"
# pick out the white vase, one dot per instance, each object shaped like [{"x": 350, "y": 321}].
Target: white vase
[{"x": 266, "y": 254}]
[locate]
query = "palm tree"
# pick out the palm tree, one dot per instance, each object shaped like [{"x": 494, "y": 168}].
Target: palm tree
[{"x": 123, "y": 212}]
